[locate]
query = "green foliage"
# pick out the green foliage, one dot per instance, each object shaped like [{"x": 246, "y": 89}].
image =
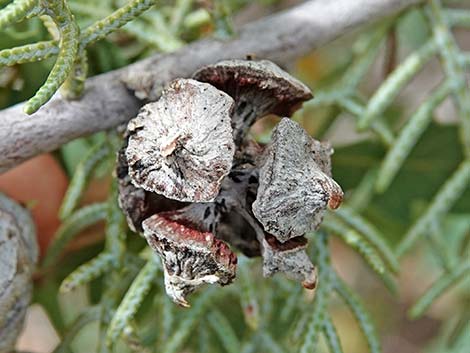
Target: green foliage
[
  {"x": 423, "y": 163},
  {"x": 81, "y": 176},
  {"x": 442, "y": 284},
  {"x": 75, "y": 25},
  {"x": 70, "y": 46},
  {"x": 344, "y": 92},
  {"x": 87, "y": 272},
  {"x": 116, "y": 229},
  {"x": 224, "y": 331},
  {"x": 355, "y": 241},
  {"x": 73, "y": 225},
  {"x": 441, "y": 42},
  {"x": 16, "y": 11},
  {"x": 453, "y": 67},
  {"x": 68, "y": 30},
  {"x": 332, "y": 339},
  {"x": 90, "y": 315},
  {"x": 28, "y": 53},
  {"x": 370, "y": 234},
  {"x": 408, "y": 137},
  {"x": 390, "y": 88},
  {"x": 447, "y": 195},
  {"x": 183, "y": 330},
  {"x": 318, "y": 312},
  {"x": 248, "y": 296},
  {"x": 132, "y": 300},
  {"x": 360, "y": 313}
]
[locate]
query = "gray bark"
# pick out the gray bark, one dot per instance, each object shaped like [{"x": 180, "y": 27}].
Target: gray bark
[{"x": 107, "y": 102}]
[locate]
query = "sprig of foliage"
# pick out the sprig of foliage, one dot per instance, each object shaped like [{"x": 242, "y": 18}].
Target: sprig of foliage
[
  {"x": 81, "y": 177},
  {"x": 320, "y": 321},
  {"x": 357, "y": 242},
  {"x": 390, "y": 88},
  {"x": 370, "y": 234},
  {"x": 186, "y": 326},
  {"x": 331, "y": 336},
  {"x": 440, "y": 205},
  {"x": 132, "y": 300},
  {"x": 448, "y": 279},
  {"x": 409, "y": 136},
  {"x": 90, "y": 315},
  {"x": 224, "y": 331},
  {"x": 378, "y": 179},
  {"x": 73, "y": 225},
  {"x": 17, "y": 11},
  {"x": 344, "y": 93},
  {"x": 87, "y": 272},
  {"x": 71, "y": 69},
  {"x": 69, "y": 49},
  {"x": 69, "y": 40},
  {"x": 453, "y": 68},
  {"x": 440, "y": 43},
  {"x": 318, "y": 312},
  {"x": 360, "y": 313}
]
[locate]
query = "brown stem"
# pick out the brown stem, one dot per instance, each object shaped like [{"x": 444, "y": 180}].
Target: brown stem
[{"x": 390, "y": 52}]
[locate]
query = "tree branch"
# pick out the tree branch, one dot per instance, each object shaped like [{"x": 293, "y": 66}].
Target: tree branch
[{"x": 107, "y": 101}]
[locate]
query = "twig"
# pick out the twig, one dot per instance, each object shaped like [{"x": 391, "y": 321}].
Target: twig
[{"x": 107, "y": 102}]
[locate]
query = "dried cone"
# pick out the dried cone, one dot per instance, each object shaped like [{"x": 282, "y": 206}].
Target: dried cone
[
  {"x": 181, "y": 146},
  {"x": 18, "y": 257},
  {"x": 295, "y": 184},
  {"x": 259, "y": 88},
  {"x": 138, "y": 204},
  {"x": 190, "y": 257},
  {"x": 189, "y": 176},
  {"x": 290, "y": 258}
]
